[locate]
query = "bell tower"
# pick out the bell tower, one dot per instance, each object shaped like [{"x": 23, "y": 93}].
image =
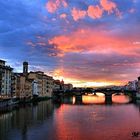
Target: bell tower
[{"x": 25, "y": 68}]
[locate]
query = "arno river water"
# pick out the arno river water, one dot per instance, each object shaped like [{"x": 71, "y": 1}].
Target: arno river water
[{"x": 86, "y": 119}]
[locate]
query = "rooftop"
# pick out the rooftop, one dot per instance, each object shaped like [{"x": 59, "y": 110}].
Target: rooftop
[{"x": 2, "y": 60}]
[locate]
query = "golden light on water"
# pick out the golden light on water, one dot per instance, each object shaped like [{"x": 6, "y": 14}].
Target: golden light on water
[
  {"x": 100, "y": 94},
  {"x": 93, "y": 99},
  {"x": 73, "y": 100},
  {"x": 120, "y": 99},
  {"x": 99, "y": 98}
]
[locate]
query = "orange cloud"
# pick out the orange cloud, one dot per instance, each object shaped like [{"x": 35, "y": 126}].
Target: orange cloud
[
  {"x": 94, "y": 11},
  {"x": 53, "y": 5},
  {"x": 78, "y": 14},
  {"x": 108, "y": 5},
  {"x": 89, "y": 40}
]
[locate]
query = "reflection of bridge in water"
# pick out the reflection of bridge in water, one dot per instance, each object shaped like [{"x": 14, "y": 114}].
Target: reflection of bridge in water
[{"x": 107, "y": 92}]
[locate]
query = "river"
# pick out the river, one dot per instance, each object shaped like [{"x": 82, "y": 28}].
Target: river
[{"x": 88, "y": 118}]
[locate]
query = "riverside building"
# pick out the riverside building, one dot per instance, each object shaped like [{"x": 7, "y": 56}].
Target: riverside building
[
  {"x": 45, "y": 83},
  {"x": 5, "y": 80}
]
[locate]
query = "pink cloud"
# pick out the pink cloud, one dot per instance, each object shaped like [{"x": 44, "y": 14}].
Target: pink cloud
[
  {"x": 94, "y": 11},
  {"x": 89, "y": 40},
  {"x": 63, "y": 16},
  {"x": 53, "y": 5},
  {"x": 64, "y": 3},
  {"x": 108, "y": 5},
  {"x": 78, "y": 14}
]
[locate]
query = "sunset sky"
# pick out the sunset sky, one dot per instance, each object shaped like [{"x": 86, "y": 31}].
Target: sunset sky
[{"x": 84, "y": 42}]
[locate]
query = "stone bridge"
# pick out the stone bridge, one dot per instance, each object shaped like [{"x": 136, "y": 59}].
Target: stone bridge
[{"x": 107, "y": 92}]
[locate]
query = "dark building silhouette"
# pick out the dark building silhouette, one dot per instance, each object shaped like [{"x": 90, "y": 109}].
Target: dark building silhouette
[{"x": 25, "y": 68}]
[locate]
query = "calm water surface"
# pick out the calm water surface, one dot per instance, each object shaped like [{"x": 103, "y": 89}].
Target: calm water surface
[{"x": 88, "y": 118}]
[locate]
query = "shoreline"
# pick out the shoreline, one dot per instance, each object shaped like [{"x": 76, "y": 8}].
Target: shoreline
[{"x": 10, "y": 102}]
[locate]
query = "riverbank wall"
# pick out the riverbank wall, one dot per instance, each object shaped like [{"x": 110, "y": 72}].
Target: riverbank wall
[{"x": 15, "y": 101}]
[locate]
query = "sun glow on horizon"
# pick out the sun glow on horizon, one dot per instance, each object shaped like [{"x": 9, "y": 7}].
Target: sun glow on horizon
[
  {"x": 60, "y": 74},
  {"x": 83, "y": 83}
]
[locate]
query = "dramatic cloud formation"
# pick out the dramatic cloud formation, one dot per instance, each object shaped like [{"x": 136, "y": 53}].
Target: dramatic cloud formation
[
  {"x": 88, "y": 43},
  {"x": 88, "y": 40},
  {"x": 93, "y": 11}
]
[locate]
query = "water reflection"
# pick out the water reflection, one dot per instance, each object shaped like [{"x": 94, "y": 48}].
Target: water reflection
[
  {"x": 23, "y": 118},
  {"x": 71, "y": 120},
  {"x": 99, "y": 98},
  {"x": 120, "y": 99},
  {"x": 94, "y": 99},
  {"x": 73, "y": 100}
]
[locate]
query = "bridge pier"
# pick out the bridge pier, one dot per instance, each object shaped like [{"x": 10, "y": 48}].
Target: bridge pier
[
  {"x": 133, "y": 98},
  {"x": 95, "y": 93},
  {"x": 78, "y": 99},
  {"x": 108, "y": 99}
]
